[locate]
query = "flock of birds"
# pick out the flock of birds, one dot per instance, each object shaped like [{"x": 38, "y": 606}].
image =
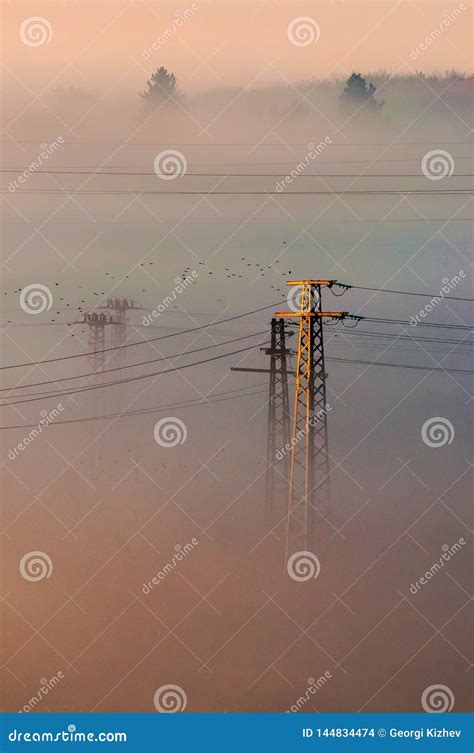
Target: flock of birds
[{"x": 245, "y": 269}]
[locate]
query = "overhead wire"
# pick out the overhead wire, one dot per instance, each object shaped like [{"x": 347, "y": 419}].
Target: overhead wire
[{"x": 140, "y": 342}]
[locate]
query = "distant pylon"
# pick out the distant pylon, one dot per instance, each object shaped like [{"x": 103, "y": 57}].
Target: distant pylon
[
  {"x": 96, "y": 328},
  {"x": 278, "y": 431},
  {"x": 278, "y": 426},
  {"x": 308, "y": 486},
  {"x": 120, "y": 306}
]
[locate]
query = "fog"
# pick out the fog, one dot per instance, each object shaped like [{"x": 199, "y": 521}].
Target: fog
[{"x": 110, "y": 505}]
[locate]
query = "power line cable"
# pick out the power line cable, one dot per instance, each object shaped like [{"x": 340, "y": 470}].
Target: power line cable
[
  {"x": 155, "y": 409},
  {"x": 133, "y": 365},
  {"x": 64, "y": 393},
  {"x": 141, "y": 342},
  {"x": 61, "y": 171},
  {"x": 212, "y": 192},
  {"x": 407, "y": 292}
]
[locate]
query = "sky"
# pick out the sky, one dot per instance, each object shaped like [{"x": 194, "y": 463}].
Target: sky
[{"x": 107, "y": 44}]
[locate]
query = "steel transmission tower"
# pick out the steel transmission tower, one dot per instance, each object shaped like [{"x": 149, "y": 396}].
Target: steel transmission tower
[
  {"x": 308, "y": 487},
  {"x": 120, "y": 306},
  {"x": 278, "y": 428},
  {"x": 278, "y": 431},
  {"x": 96, "y": 324}
]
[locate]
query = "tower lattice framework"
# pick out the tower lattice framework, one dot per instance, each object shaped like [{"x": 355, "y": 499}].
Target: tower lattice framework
[
  {"x": 278, "y": 431},
  {"x": 308, "y": 482}
]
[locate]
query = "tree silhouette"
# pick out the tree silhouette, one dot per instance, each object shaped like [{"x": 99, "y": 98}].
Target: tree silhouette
[
  {"x": 161, "y": 86},
  {"x": 359, "y": 95}
]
